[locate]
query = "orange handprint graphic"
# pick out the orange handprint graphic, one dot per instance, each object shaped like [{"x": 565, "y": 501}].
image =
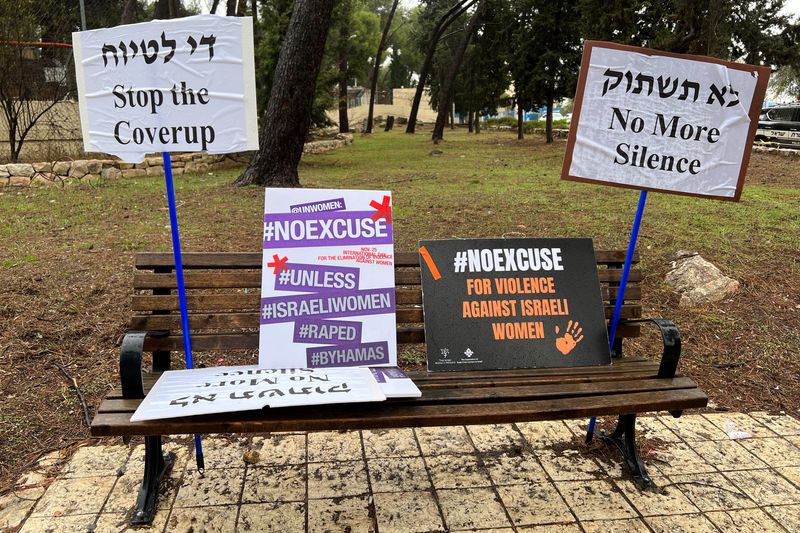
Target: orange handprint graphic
[{"x": 572, "y": 336}]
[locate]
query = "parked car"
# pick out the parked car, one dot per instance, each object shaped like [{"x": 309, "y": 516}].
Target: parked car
[{"x": 779, "y": 124}]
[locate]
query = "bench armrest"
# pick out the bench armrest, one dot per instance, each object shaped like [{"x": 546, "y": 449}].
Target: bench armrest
[
  {"x": 130, "y": 363},
  {"x": 672, "y": 344}
]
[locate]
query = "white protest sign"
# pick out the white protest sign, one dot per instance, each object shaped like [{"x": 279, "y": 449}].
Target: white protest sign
[
  {"x": 180, "y": 393},
  {"x": 185, "y": 84},
  {"x": 327, "y": 286},
  {"x": 652, "y": 120}
]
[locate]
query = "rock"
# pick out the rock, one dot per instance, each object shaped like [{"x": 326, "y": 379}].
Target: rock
[
  {"x": 43, "y": 167},
  {"x": 141, "y": 165},
  {"x": 62, "y": 167},
  {"x": 177, "y": 171},
  {"x": 125, "y": 166},
  {"x": 20, "y": 169},
  {"x": 90, "y": 177},
  {"x": 19, "y": 181},
  {"x": 108, "y": 163},
  {"x": 155, "y": 171},
  {"x": 698, "y": 281},
  {"x": 94, "y": 166},
  {"x": 346, "y": 137},
  {"x": 3, "y": 182},
  {"x": 153, "y": 161},
  {"x": 41, "y": 181},
  {"x": 251, "y": 457},
  {"x": 4, "y": 173},
  {"x": 319, "y": 147},
  {"x": 79, "y": 169},
  {"x": 111, "y": 173},
  {"x": 134, "y": 173}
]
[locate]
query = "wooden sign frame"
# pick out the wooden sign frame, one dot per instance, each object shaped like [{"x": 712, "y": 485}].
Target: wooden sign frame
[{"x": 755, "y": 108}]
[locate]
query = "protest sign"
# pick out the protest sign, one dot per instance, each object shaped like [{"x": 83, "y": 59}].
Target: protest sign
[
  {"x": 229, "y": 389},
  {"x": 327, "y": 286},
  {"x": 394, "y": 383},
  {"x": 185, "y": 84},
  {"x": 653, "y": 120},
  {"x": 512, "y": 303}
]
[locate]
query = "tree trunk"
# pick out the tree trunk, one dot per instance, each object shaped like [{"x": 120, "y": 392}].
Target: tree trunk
[
  {"x": 477, "y": 122},
  {"x": 450, "y": 81},
  {"x": 548, "y": 127},
  {"x": 344, "y": 35},
  {"x": 389, "y": 123},
  {"x": 129, "y": 12},
  {"x": 469, "y": 121},
  {"x": 161, "y": 10},
  {"x": 376, "y": 66},
  {"x": 288, "y": 114},
  {"x": 230, "y": 8},
  {"x": 520, "y": 122},
  {"x": 444, "y": 21},
  {"x": 214, "y": 6}
]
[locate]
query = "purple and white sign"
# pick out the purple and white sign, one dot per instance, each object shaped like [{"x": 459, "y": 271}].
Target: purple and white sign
[{"x": 327, "y": 291}]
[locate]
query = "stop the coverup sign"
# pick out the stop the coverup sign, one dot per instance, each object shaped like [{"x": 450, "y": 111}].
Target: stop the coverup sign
[
  {"x": 652, "y": 120},
  {"x": 168, "y": 85}
]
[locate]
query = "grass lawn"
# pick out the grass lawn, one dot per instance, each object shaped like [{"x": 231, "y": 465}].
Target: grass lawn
[{"x": 67, "y": 255}]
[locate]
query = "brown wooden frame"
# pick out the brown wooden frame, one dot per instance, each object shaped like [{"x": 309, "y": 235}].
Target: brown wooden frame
[{"x": 753, "y": 112}]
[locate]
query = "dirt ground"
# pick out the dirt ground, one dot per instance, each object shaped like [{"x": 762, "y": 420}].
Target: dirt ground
[{"x": 67, "y": 255}]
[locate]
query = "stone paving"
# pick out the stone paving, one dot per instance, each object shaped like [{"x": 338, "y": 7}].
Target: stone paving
[{"x": 516, "y": 477}]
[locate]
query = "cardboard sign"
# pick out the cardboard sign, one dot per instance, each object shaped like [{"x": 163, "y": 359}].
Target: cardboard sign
[
  {"x": 185, "y": 84},
  {"x": 652, "y": 120},
  {"x": 327, "y": 287},
  {"x": 512, "y": 303},
  {"x": 203, "y": 391}
]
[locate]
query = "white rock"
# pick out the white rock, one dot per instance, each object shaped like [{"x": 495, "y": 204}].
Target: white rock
[
  {"x": 62, "y": 167},
  {"x": 698, "y": 281},
  {"x": 111, "y": 173},
  {"x": 20, "y": 169}
]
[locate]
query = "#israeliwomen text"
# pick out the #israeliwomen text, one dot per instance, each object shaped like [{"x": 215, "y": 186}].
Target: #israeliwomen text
[{"x": 673, "y": 127}]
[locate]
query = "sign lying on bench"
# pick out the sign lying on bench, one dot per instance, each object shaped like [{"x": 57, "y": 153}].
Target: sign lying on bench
[
  {"x": 327, "y": 286},
  {"x": 185, "y": 84},
  {"x": 653, "y": 120},
  {"x": 229, "y": 389},
  {"x": 512, "y": 303}
]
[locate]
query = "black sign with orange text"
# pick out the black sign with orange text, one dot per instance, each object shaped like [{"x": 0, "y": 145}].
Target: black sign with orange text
[{"x": 512, "y": 303}]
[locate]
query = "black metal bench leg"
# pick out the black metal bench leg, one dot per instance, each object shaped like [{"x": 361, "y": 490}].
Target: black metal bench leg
[
  {"x": 156, "y": 464},
  {"x": 624, "y": 438}
]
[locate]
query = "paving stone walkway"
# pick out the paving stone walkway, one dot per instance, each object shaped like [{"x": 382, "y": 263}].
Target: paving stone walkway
[{"x": 516, "y": 477}]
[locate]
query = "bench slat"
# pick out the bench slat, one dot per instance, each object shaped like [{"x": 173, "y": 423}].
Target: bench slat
[
  {"x": 192, "y": 260},
  {"x": 230, "y": 280},
  {"x": 625, "y": 368},
  {"x": 252, "y": 280},
  {"x": 202, "y": 321},
  {"x": 393, "y": 414},
  {"x": 249, "y": 340},
  {"x": 497, "y": 394},
  {"x": 212, "y": 302}
]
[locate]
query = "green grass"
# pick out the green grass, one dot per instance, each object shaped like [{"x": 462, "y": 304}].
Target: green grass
[{"x": 67, "y": 253}]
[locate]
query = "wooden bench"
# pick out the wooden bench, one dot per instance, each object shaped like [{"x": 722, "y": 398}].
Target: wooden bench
[{"x": 223, "y": 300}]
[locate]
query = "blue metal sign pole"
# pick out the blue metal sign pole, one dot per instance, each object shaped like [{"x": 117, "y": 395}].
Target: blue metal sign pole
[
  {"x": 623, "y": 282},
  {"x": 176, "y": 250}
]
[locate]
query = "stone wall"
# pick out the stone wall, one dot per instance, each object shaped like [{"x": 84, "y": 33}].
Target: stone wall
[{"x": 61, "y": 172}]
